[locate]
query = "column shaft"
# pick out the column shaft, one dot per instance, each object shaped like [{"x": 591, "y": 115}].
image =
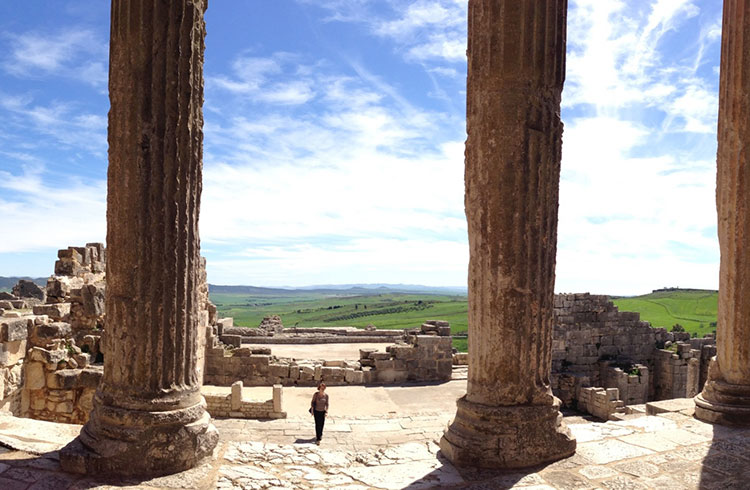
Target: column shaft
[
  {"x": 516, "y": 69},
  {"x": 726, "y": 395},
  {"x": 149, "y": 416}
]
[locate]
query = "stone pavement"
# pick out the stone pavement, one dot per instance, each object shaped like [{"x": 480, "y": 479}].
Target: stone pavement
[{"x": 671, "y": 450}]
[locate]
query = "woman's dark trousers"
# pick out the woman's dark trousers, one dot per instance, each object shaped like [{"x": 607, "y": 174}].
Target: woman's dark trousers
[{"x": 320, "y": 420}]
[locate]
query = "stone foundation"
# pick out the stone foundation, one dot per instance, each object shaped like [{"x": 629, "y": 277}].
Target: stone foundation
[
  {"x": 233, "y": 405},
  {"x": 425, "y": 355},
  {"x": 591, "y": 337}
]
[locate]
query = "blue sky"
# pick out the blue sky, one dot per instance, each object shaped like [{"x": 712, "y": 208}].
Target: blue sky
[{"x": 334, "y": 135}]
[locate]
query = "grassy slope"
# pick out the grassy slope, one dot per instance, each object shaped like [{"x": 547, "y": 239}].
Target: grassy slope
[
  {"x": 694, "y": 310},
  {"x": 390, "y": 310}
]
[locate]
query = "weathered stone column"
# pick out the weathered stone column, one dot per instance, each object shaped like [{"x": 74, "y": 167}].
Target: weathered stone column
[
  {"x": 508, "y": 417},
  {"x": 726, "y": 396},
  {"x": 149, "y": 415}
]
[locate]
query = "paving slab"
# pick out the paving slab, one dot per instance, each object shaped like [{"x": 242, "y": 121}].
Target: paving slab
[
  {"x": 369, "y": 449},
  {"x": 673, "y": 405}
]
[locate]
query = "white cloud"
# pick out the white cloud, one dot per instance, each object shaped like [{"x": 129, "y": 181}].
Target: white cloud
[
  {"x": 62, "y": 121},
  {"x": 261, "y": 80},
  {"x": 368, "y": 260},
  {"x": 41, "y": 211},
  {"x": 71, "y": 53}
]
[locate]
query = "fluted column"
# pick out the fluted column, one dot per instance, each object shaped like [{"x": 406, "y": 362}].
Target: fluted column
[
  {"x": 516, "y": 69},
  {"x": 149, "y": 415},
  {"x": 726, "y": 395}
]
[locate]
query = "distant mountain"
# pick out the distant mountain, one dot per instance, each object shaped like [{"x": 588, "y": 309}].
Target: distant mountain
[
  {"x": 353, "y": 289},
  {"x": 7, "y": 283}
]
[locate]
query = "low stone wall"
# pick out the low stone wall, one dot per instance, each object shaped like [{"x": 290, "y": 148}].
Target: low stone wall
[
  {"x": 591, "y": 334},
  {"x": 681, "y": 370},
  {"x": 13, "y": 335},
  {"x": 233, "y": 405},
  {"x": 600, "y": 402},
  {"x": 632, "y": 385},
  {"x": 53, "y": 391},
  {"x": 232, "y": 335},
  {"x": 425, "y": 356},
  {"x": 461, "y": 359}
]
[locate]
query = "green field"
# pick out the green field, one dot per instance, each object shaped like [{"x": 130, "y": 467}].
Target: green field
[
  {"x": 693, "y": 309},
  {"x": 310, "y": 309}
]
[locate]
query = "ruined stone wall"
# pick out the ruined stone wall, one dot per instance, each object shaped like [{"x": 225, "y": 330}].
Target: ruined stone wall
[
  {"x": 59, "y": 382},
  {"x": 425, "y": 356},
  {"x": 235, "y": 406},
  {"x": 632, "y": 385},
  {"x": 274, "y": 333},
  {"x": 600, "y": 402},
  {"x": 680, "y": 371},
  {"x": 592, "y": 340},
  {"x": 13, "y": 335}
]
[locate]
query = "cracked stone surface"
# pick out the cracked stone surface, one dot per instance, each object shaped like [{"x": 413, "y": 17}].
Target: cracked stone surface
[{"x": 281, "y": 454}]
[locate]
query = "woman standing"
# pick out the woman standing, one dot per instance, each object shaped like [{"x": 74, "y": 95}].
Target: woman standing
[{"x": 319, "y": 409}]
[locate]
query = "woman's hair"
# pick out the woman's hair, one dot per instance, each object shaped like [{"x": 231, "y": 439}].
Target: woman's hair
[{"x": 321, "y": 384}]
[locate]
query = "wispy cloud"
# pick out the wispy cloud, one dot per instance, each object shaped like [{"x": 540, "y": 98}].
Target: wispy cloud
[
  {"x": 353, "y": 174},
  {"x": 423, "y": 30},
  {"x": 64, "y": 122},
  {"x": 71, "y": 53},
  {"x": 637, "y": 191},
  {"x": 42, "y": 210},
  {"x": 257, "y": 79}
]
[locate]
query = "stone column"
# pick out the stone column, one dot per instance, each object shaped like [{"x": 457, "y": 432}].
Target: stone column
[
  {"x": 509, "y": 417},
  {"x": 726, "y": 396},
  {"x": 149, "y": 416}
]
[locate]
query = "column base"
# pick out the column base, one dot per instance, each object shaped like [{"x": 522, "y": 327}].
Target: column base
[
  {"x": 724, "y": 403},
  {"x": 128, "y": 442},
  {"x": 506, "y": 437}
]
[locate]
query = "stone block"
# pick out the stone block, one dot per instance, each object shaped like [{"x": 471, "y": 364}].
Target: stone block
[
  {"x": 278, "y": 370},
  {"x": 233, "y": 340},
  {"x": 332, "y": 374},
  {"x": 35, "y": 379},
  {"x": 86, "y": 400},
  {"x": 37, "y": 403},
  {"x": 403, "y": 352},
  {"x": 6, "y": 305},
  {"x": 306, "y": 373},
  {"x": 382, "y": 365},
  {"x": 380, "y": 356},
  {"x": 318, "y": 372},
  {"x": 11, "y": 353},
  {"x": 64, "y": 407},
  {"x": 445, "y": 369},
  {"x": 334, "y": 363},
  {"x": 56, "y": 311},
  {"x": 90, "y": 377},
  {"x": 236, "y": 396},
  {"x": 13, "y": 329},
  {"x": 56, "y": 330},
  {"x": 64, "y": 379},
  {"x": 242, "y": 352},
  {"x": 226, "y": 322},
  {"x": 278, "y": 398}
]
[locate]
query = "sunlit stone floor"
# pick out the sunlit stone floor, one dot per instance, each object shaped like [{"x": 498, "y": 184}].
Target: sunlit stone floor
[{"x": 669, "y": 451}]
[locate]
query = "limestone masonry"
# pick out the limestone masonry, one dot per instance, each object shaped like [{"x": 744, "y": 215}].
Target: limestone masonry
[{"x": 603, "y": 360}]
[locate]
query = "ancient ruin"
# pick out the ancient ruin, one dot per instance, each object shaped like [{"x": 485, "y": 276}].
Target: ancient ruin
[
  {"x": 516, "y": 68},
  {"x": 148, "y": 406},
  {"x": 726, "y": 397},
  {"x": 134, "y": 374}
]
